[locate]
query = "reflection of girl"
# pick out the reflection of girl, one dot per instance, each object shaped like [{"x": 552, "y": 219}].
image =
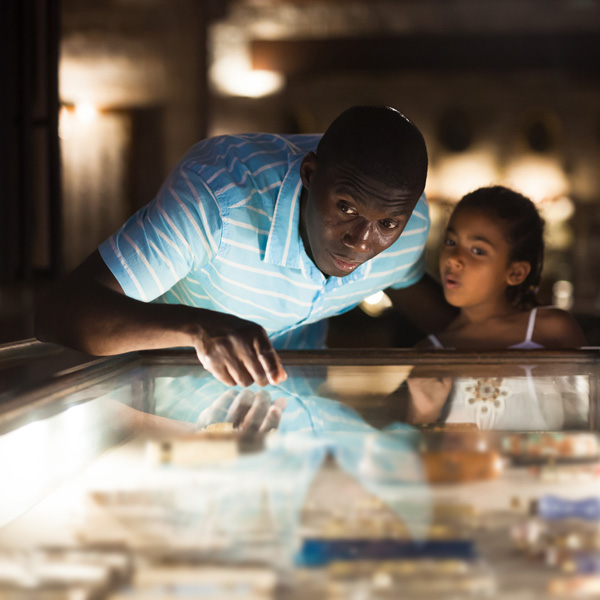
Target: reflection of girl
[{"x": 490, "y": 266}]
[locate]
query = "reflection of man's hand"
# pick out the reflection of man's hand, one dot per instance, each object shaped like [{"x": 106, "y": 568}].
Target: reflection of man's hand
[{"x": 245, "y": 410}]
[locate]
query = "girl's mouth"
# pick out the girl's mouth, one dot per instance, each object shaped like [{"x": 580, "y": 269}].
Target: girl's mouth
[{"x": 451, "y": 283}]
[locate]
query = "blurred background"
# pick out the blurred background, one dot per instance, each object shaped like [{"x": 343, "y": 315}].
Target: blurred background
[{"x": 100, "y": 98}]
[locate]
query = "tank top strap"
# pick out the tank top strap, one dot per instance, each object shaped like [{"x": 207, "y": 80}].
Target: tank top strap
[
  {"x": 531, "y": 324},
  {"x": 433, "y": 339}
]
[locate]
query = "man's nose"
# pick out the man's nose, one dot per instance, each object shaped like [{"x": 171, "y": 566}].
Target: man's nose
[{"x": 358, "y": 238}]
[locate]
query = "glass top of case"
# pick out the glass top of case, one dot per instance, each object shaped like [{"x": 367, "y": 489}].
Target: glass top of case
[{"x": 432, "y": 473}]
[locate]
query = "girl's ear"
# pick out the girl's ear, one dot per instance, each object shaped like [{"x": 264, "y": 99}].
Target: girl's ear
[{"x": 517, "y": 272}]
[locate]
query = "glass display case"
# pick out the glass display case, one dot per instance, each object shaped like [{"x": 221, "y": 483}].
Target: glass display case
[{"x": 367, "y": 474}]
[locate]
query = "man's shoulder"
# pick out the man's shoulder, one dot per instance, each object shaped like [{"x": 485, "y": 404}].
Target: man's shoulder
[
  {"x": 418, "y": 225},
  {"x": 235, "y": 168},
  {"x": 225, "y": 149}
]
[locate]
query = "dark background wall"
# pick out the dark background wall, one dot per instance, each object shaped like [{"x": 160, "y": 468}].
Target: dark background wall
[{"x": 100, "y": 98}]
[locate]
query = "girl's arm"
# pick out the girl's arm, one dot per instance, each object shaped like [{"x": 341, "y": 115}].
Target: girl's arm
[
  {"x": 424, "y": 305},
  {"x": 556, "y": 328}
]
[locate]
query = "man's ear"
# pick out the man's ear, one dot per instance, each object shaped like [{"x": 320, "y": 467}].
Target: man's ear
[
  {"x": 517, "y": 272},
  {"x": 308, "y": 168}
]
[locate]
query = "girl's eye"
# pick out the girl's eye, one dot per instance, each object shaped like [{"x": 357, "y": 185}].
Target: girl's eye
[
  {"x": 478, "y": 251},
  {"x": 389, "y": 224},
  {"x": 448, "y": 242}
]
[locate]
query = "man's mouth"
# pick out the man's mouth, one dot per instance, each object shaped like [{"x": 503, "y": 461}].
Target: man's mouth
[{"x": 344, "y": 264}]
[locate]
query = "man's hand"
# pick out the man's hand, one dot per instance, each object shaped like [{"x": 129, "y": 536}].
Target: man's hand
[
  {"x": 237, "y": 352},
  {"x": 247, "y": 411}
]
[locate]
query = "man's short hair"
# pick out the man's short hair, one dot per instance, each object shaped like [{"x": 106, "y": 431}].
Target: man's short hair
[{"x": 379, "y": 142}]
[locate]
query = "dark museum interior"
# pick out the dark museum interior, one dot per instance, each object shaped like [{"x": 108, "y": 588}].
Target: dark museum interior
[{"x": 101, "y": 98}]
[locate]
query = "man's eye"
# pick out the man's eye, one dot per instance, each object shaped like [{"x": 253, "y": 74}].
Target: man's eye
[
  {"x": 347, "y": 210},
  {"x": 389, "y": 224}
]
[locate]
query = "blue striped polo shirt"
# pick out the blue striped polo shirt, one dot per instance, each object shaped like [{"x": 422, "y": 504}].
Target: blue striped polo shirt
[{"x": 223, "y": 234}]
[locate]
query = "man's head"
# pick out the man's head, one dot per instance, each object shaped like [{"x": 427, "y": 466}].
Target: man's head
[{"x": 360, "y": 187}]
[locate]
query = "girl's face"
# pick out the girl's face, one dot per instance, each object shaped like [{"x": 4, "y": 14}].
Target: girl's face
[{"x": 474, "y": 261}]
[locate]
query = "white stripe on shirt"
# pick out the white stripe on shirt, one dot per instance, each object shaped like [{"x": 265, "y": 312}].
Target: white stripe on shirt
[
  {"x": 244, "y": 246},
  {"x": 310, "y": 286},
  {"x": 261, "y": 191},
  {"x": 145, "y": 261},
  {"x": 128, "y": 270},
  {"x": 242, "y": 180},
  {"x": 245, "y": 226},
  {"x": 290, "y": 221},
  {"x": 202, "y": 211},
  {"x": 245, "y": 301},
  {"x": 261, "y": 291}
]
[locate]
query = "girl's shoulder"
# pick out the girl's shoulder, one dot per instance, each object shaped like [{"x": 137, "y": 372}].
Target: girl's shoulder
[
  {"x": 557, "y": 328},
  {"x": 425, "y": 344}
]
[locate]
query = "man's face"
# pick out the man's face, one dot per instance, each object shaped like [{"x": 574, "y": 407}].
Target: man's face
[{"x": 347, "y": 218}]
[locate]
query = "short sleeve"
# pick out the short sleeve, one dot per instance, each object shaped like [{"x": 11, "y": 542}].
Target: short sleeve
[
  {"x": 178, "y": 231},
  {"x": 413, "y": 239}
]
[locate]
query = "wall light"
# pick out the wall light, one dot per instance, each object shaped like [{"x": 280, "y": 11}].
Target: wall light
[
  {"x": 375, "y": 304},
  {"x": 458, "y": 175},
  {"x": 558, "y": 211},
  {"x": 562, "y": 294},
  {"x": 539, "y": 178},
  {"x": 234, "y": 76},
  {"x": 86, "y": 112}
]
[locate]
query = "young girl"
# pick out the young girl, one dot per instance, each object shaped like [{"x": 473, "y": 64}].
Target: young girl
[{"x": 490, "y": 267}]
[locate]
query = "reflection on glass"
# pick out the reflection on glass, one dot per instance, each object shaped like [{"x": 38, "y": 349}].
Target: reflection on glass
[
  {"x": 525, "y": 403},
  {"x": 343, "y": 480}
]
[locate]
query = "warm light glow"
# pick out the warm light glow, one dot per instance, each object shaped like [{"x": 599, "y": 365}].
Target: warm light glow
[
  {"x": 23, "y": 467},
  {"x": 558, "y": 211},
  {"x": 538, "y": 178},
  {"x": 562, "y": 294},
  {"x": 66, "y": 123},
  {"x": 234, "y": 76},
  {"x": 458, "y": 175},
  {"x": 375, "y": 304},
  {"x": 86, "y": 112},
  {"x": 374, "y": 298}
]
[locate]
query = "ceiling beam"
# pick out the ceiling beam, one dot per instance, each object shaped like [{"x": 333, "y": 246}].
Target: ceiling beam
[{"x": 574, "y": 53}]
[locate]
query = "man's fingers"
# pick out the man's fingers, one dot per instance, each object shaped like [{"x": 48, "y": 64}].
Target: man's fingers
[
  {"x": 243, "y": 359},
  {"x": 217, "y": 411},
  {"x": 257, "y": 412},
  {"x": 269, "y": 360},
  {"x": 273, "y": 416},
  {"x": 239, "y": 408},
  {"x": 238, "y": 371},
  {"x": 216, "y": 368},
  {"x": 255, "y": 367}
]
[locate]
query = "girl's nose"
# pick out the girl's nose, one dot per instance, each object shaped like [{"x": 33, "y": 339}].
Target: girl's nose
[{"x": 454, "y": 259}]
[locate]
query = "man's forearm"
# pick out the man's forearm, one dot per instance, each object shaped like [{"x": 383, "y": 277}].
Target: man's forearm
[
  {"x": 88, "y": 311},
  {"x": 103, "y": 322}
]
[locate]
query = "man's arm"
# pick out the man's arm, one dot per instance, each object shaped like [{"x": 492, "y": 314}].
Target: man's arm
[
  {"x": 424, "y": 305},
  {"x": 88, "y": 311}
]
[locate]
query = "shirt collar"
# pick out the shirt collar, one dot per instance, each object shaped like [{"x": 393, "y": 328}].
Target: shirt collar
[{"x": 284, "y": 245}]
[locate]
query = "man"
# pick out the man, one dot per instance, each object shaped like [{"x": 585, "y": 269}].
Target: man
[{"x": 251, "y": 243}]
